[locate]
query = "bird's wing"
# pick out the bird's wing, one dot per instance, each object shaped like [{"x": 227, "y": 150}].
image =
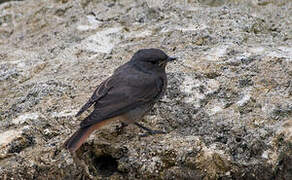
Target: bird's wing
[
  {"x": 100, "y": 91},
  {"x": 123, "y": 96}
]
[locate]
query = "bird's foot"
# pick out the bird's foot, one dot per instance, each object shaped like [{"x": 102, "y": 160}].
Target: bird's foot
[{"x": 149, "y": 131}]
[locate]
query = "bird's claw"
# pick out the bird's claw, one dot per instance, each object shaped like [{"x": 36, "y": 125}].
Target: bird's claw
[{"x": 153, "y": 132}]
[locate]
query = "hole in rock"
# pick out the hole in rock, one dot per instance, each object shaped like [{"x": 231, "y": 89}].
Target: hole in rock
[{"x": 106, "y": 165}]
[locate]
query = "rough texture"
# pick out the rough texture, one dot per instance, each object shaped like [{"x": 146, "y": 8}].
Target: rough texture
[{"x": 227, "y": 110}]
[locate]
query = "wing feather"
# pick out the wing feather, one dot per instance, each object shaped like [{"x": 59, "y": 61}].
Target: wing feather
[
  {"x": 124, "y": 96},
  {"x": 100, "y": 91}
]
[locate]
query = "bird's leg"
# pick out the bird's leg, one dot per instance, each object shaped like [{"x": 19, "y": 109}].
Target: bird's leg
[
  {"x": 150, "y": 131},
  {"x": 81, "y": 164}
]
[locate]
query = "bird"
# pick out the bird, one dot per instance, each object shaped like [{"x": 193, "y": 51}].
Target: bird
[{"x": 127, "y": 95}]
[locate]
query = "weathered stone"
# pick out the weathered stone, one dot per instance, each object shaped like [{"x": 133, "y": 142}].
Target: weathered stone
[{"x": 227, "y": 110}]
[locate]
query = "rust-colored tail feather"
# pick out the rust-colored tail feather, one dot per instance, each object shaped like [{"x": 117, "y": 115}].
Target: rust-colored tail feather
[
  {"x": 77, "y": 139},
  {"x": 81, "y": 135}
]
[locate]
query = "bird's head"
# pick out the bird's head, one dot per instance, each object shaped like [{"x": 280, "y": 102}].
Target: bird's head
[{"x": 154, "y": 58}]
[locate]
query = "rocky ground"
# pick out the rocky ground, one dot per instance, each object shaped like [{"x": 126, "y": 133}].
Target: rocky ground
[{"x": 227, "y": 111}]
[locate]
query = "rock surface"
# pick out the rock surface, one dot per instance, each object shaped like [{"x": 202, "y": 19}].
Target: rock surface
[{"x": 227, "y": 110}]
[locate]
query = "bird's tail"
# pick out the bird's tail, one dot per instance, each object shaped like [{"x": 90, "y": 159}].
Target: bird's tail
[
  {"x": 78, "y": 138},
  {"x": 81, "y": 135}
]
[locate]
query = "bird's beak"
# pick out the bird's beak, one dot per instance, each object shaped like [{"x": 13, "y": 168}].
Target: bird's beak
[{"x": 171, "y": 59}]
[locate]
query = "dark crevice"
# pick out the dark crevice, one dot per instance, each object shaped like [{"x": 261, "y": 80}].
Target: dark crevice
[{"x": 105, "y": 165}]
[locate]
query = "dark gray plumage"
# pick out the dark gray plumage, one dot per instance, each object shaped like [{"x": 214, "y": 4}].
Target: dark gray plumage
[{"x": 127, "y": 95}]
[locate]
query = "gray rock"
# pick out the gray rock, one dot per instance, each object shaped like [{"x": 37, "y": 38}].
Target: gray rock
[{"x": 227, "y": 110}]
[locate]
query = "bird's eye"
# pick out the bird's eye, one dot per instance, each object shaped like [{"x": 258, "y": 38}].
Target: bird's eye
[{"x": 154, "y": 62}]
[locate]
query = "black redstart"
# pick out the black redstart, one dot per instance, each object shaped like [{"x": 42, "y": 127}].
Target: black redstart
[{"x": 127, "y": 95}]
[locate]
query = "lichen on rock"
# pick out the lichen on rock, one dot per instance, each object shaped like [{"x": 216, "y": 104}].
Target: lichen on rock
[{"x": 227, "y": 110}]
